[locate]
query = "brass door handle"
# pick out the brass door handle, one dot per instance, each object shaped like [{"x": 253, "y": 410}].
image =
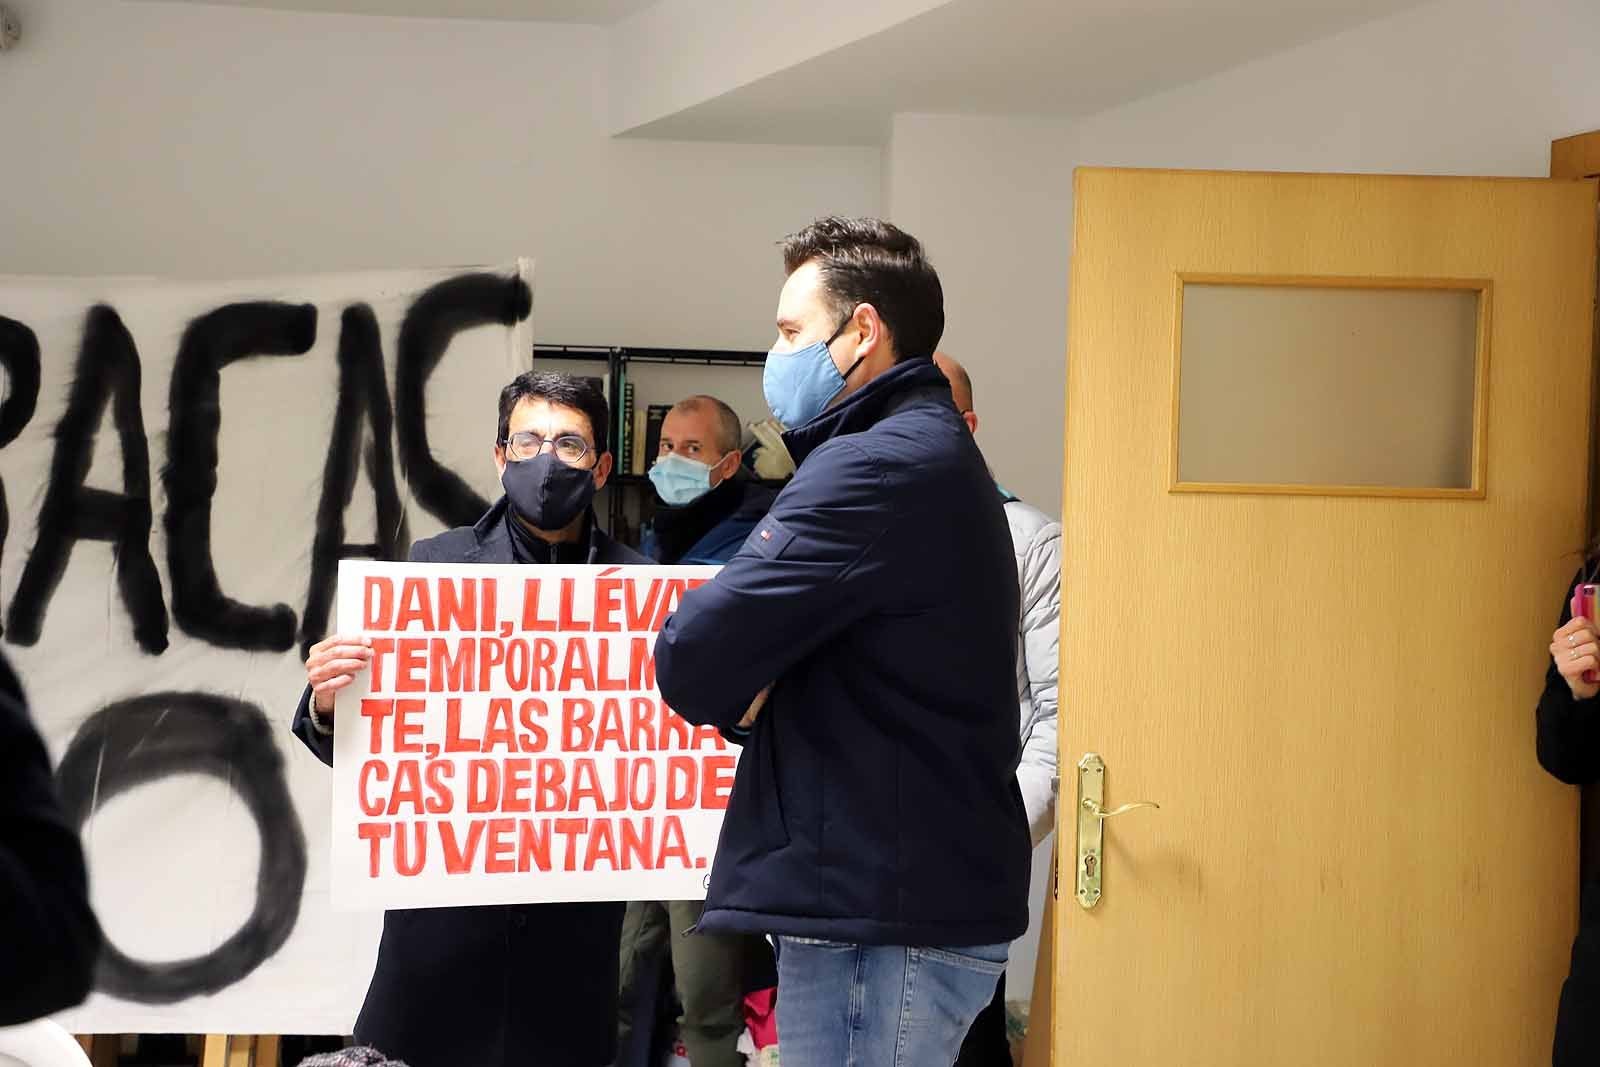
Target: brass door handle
[
  {"x": 1092, "y": 815},
  {"x": 1094, "y": 808}
]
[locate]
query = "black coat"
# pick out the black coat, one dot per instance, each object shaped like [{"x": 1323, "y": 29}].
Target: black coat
[
  {"x": 1569, "y": 748},
  {"x": 49, "y": 939},
  {"x": 876, "y": 800},
  {"x": 533, "y": 985}
]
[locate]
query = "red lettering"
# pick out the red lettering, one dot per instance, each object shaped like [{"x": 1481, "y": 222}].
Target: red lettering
[
  {"x": 576, "y": 733},
  {"x": 500, "y": 733},
  {"x": 373, "y": 768},
  {"x": 408, "y": 862},
  {"x": 407, "y": 787},
  {"x": 533, "y": 845},
  {"x": 642, "y": 773},
  {"x": 716, "y": 782},
  {"x": 416, "y": 605},
  {"x": 708, "y": 737},
  {"x": 440, "y": 796},
  {"x": 375, "y": 711},
  {"x": 673, "y": 846},
  {"x": 602, "y": 846},
  {"x": 638, "y": 842},
  {"x": 404, "y": 727},
  {"x": 458, "y": 860},
  {"x": 372, "y": 833},
  {"x": 492, "y": 653},
  {"x": 643, "y": 735},
  {"x": 674, "y": 728},
  {"x": 453, "y": 741},
  {"x": 682, "y": 775},
  {"x": 669, "y": 603},
  {"x": 381, "y": 647},
  {"x": 411, "y": 665},
  {"x": 502, "y": 847},
  {"x": 534, "y": 738},
  {"x": 568, "y": 621},
  {"x": 585, "y": 785},
  {"x": 607, "y": 603},
  {"x": 640, "y": 614},
  {"x": 518, "y": 778},
  {"x": 544, "y": 665},
  {"x": 458, "y": 604},
  {"x": 483, "y": 786},
  {"x": 603, "y": 679},
  {"x": 641, "y": 665},
  {"x": 576, "y": 672},
  {"x": 570, "y": 828},
  {"x": 447, "y": 673},
  {"x": 378, "y": 605},
  {"x": 550, "y": 792},
  {"x": 531, "y": 619},
  {"x": 611, "y": 731}
]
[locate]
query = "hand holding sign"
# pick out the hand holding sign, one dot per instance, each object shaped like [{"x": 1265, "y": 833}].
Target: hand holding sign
[{"x": 334, "y": 664}]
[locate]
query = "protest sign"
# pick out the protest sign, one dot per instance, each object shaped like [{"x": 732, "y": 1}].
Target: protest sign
[{"x": 508, "y": 745}]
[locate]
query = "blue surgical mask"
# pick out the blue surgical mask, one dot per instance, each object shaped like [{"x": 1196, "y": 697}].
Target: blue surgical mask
[
  {"x": 680, "y": 480},
  {"x": 800, "y": 385}
]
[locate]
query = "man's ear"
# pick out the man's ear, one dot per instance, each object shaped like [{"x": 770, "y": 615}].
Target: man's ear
[
  {"x": 971, "y": 419},
  {"x": 602, "y": 471},
  {"x": 499, "y": 462},
  {"x": 728, "y": 465}
]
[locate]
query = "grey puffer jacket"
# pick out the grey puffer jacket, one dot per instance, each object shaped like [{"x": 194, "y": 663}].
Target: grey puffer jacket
[{"x": 1036, "y": 540}]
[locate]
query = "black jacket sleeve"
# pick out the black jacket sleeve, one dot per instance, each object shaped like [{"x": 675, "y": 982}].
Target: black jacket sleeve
[
  {"x": 49, "y": 939},
  {"x": 1568, "y": 728}
]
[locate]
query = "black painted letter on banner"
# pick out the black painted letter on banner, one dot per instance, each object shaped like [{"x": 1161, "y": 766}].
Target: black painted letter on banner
[
  {"x": 107, "y": 372},
  {"x": 432, "y": 320},
  {"x": 363, "y": 397},
  {"x": 19, "y": 355},
  {"x": 147, "y": 738},
  {"x": 210, "y": 343}
]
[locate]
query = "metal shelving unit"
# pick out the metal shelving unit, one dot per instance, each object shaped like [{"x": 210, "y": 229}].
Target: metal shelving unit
[{"x": 617, "y": 359}]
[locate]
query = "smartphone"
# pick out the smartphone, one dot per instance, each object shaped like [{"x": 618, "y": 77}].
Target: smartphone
[{"x": 1583, "y": 607}]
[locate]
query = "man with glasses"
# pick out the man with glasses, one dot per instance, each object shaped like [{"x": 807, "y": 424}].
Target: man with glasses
[{"x": 522, "y": 983}]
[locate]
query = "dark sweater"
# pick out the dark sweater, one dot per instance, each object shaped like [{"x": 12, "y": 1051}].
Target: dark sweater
[
  {"x": 49, "y": 939},
  {"x": 1569, "y": 748}
]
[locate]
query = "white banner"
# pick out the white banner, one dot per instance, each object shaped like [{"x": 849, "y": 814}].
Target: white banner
[
  {"x": 183, "y": 465},
  {"x": 508, "y": 744}
]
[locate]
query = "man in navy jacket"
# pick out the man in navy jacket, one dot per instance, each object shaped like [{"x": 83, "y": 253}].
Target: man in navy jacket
[
  {"x": 518, "y": 985},
  {"x": 862, "y": 645}
]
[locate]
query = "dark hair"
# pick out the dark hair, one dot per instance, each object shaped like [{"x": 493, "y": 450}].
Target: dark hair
[
  {"x": 729, "y": 434},
  {"x": 567, "y": 390},
  {"x": 869, "y": 261}
]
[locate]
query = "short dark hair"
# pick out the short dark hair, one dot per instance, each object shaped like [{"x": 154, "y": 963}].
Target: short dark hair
[
  {"x": 729, "y": 433},
  {"x": 869, "y": 261},
  {"x": 568, "y": 390}
]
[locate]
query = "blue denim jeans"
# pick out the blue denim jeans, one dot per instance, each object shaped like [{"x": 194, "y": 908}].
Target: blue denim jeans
[{"x": 842, "y": 1005}]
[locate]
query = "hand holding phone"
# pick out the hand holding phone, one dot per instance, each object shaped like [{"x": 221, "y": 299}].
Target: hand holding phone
[{"x": 1583, "y": 607}]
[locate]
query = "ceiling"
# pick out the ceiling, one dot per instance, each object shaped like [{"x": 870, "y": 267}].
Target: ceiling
[
  {"x": 1046, "y": 58},
  {"x": 600, "y": 12}
]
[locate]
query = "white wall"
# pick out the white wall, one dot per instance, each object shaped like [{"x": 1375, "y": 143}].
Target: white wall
[
  {"x": 181, "y": 138},
  {"x": 991, "y": 199}
]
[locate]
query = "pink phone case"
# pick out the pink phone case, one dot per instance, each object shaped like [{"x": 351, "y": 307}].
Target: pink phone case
[{"x": 1583, "y": 599}]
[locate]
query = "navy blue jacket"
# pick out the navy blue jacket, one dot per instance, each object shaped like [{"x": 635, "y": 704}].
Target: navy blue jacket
[
  {"x": 876, "y": 801},
  {"x": 523, "y": 984}
]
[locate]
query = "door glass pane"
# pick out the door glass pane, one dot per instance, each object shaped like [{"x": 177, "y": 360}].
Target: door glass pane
[{"x": 1307, "y": 386}]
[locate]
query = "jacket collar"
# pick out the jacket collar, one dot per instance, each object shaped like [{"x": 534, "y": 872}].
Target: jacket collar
[
  {"x": 492, "y": 541},
  {"x": 902, "y": 384}
]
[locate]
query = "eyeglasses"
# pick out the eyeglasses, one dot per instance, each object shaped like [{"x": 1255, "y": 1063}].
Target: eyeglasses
[{"x": 569, "y": 447}]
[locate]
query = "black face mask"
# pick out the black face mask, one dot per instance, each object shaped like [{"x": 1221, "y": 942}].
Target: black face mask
[{"x": 546, "y": 493}]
